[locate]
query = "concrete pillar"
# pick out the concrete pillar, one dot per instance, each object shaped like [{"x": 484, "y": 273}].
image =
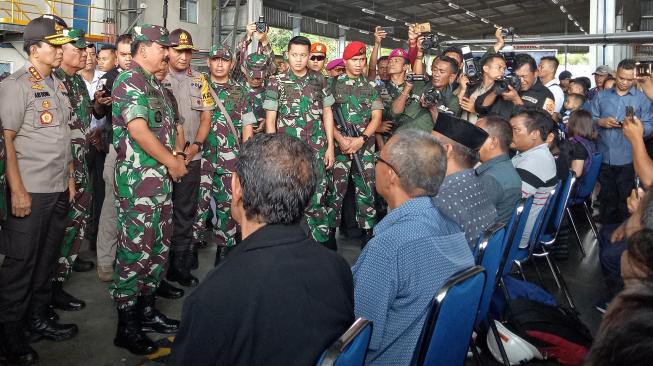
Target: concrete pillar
[
  {"x": 254, "y": 10},
  {"x": 606, "y": 18},
  {"x": 296, "y": 26},
  {"x": 342, "y": 39}
]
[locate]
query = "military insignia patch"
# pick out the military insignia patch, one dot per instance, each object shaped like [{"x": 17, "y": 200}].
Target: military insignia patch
[
  {"x": 35, "y": 74},
  {"x": 46, "y": 118},
  {"x": 37, "y": 86},
  {"x": 183, "y": 38},
  {"x": 46, "y": 104}
]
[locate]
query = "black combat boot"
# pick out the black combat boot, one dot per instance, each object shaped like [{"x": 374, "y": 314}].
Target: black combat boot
[
  {"x": 15, "y": 347},
  {"x": 130, "y": 336},
  {"x": 42, "y": 327},
  {"x": 151, "y": 319},
  {"x": 168, "y": 291},
  {"x": 64, "y": 301},
  {"x": 81, "y": 265},
  {"x": 367, "y": 235},
  {"x": 178, "y": 271}
]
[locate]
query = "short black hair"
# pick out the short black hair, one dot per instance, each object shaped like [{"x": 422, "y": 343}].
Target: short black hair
[
  {"x": 627, "y": 64},
  {"x": 500, "y": 128},
  {"x": 277, "y": 173},
  {"x": 452, "y": 63},
  {"x": 124, "y": 38},
  {"x": 136, "y": 44},
  {"x": 453, "y": 49},
  {"x": 626, "y": 333},
  {"x": 553, "y": 59},
  {"x": 419, "y": 160},
  {"x": 299, "y": 40},
  {"x": 582, "y": 81},
  {"x": 91, "y": 45},
  {"x": 489, "y": 57},
  {"x": 382, "y": 58},
  {"x": 537, "y": 119},
  {"x": 580, "y": 97},
  {"x": 28, "y": 44},
  {"x": 522, "y": 59},
  {"x": 108, "y": 47}
]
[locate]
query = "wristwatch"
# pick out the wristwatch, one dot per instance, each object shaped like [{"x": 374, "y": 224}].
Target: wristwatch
[
  {"x": 199, "y": 145},
  {"x": 365, "y": 137}
]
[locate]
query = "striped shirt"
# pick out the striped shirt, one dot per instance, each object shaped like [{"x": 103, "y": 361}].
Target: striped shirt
[{"x": 537, "y": 170}]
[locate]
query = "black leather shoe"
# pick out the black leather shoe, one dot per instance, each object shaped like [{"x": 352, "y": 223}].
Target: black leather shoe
[
  {"x": 81, "y": 265},
  {"x": 44, "y": 328},
  {"x": 179, "y": 272},
  {"x": 51, "y": 314},
  {"x": 64, "y": 301},
  {"x": 15, "y": 347},
  {"x": 169, "y": 291},
  {"x": 129, "y": 334},
  {"x": 152, "y": 320}
]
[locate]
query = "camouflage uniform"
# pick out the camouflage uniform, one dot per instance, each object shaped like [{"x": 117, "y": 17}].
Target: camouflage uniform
[
  {"x": 219, "y": 157},
  {"x": 79, "y": 214},
  {"x": 143, "y": 187},
  {"x": 256, "y": 65},
  {"x": 357, "y": 99},
  {"x": 300, "y": 102},
  {"x": 241, "y": 59}
]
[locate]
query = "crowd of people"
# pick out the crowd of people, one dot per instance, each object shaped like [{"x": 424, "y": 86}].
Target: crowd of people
[{"x": 128, "y": 146}]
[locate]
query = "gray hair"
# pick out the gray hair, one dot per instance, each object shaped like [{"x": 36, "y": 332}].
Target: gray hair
[{"x": 420, "y": 162}]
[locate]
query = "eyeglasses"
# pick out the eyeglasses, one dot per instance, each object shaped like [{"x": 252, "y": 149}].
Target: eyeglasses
[
  {"x": 380, "y": 159},
  {"x": 318, "y": 58}
]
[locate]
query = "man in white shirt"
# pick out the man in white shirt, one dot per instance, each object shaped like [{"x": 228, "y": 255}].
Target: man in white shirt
[
  {"x": 547, "y": 71},
  {"x": 91, "y": 76}
]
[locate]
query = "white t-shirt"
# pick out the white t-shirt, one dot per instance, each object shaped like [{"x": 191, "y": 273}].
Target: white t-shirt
[
  {"x": 558, "y": 94},
  {"x": 91, "y": 88}
]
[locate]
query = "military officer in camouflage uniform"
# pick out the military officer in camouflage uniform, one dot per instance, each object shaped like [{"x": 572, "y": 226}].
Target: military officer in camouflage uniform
[
  {"x": 232, "y": 118},
  {"x": 263, "y": 48},
  {"x": 361, "y": 108},
  {"x": 147, "y": 163},
  {"x": 255, "y": 70},
  {"x": 298, "y": 103},
  {"x": 191, "y": 90},
  {"x": 34, "y": 112},
  {"x": 74, "y": 59}
]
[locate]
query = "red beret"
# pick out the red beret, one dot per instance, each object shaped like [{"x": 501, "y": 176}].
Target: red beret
[{"x": 355, "y": 48}]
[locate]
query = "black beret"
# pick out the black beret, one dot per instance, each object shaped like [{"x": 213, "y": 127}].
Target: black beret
[{"x": 461, "y": 131}]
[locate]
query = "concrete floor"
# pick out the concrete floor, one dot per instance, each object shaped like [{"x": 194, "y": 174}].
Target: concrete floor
[{"x": 97, "y": 322}]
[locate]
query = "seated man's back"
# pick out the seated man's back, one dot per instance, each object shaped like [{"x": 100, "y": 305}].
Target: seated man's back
[
  {"x": 279, "y": 298},
  {"x": 415, "y": 248}
]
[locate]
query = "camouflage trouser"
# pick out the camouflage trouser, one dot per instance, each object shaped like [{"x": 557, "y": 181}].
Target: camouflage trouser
[
  {"x": 79, "y": 216},
  {"x": 218, "y": 187},
  {"x": 364, "y": 189},
  {"x": 316, "y": 211},
  {"x": 144, "y": 233}
]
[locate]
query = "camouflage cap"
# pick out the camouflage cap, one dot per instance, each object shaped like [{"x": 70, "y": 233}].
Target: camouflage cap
[
  {"x": 255, "y": 65},
  {"x": 78, "y": 36},
  {"x": 221, "y": 51},
  {"x": 151, "y": 33},
  {"x": 46, "y": 29},
  {"x": 180, "y": 39}
]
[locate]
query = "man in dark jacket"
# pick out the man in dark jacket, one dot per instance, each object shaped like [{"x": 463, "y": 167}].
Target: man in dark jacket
[{"x": 279, "y": 298}]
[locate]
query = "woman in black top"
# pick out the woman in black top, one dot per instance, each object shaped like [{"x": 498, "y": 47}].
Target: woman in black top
[{"x": 582, "y": 136}]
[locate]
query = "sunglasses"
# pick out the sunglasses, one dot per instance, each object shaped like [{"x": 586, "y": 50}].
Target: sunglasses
[{"x": 318, "y": 58}]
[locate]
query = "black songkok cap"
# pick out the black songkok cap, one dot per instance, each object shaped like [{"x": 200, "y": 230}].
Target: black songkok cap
[{"x": 461, "y": 131}]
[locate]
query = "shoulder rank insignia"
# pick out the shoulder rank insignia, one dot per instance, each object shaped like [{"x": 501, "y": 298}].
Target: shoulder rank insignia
[{"x": 35, "y": 73}]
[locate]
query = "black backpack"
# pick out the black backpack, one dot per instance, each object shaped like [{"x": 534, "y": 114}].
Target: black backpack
[{"x": 555, "y": 331}]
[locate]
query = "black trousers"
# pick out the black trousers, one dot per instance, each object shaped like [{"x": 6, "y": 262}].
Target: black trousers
[
  {"x": 95, "y": 161},
  {"x": 31, "y": 245},
  {"x": 184, "y": 208},
  {"x": 617, "y": 181}
]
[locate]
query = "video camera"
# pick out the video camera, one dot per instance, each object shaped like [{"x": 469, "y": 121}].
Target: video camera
[
  {"x": 261, "y": 25},
  {"x": 411, "y": 78},
  {"x": 502, "y": 84}
]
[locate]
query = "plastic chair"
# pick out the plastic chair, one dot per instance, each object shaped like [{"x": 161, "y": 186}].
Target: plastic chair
[
  {"x": 350, "y": 349},
  {"x": 514, "y": 236},
  {"x": 450, "y": 321},
  {"x": 546, "y": 239},
  {"x": 584, "y": 189}
]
